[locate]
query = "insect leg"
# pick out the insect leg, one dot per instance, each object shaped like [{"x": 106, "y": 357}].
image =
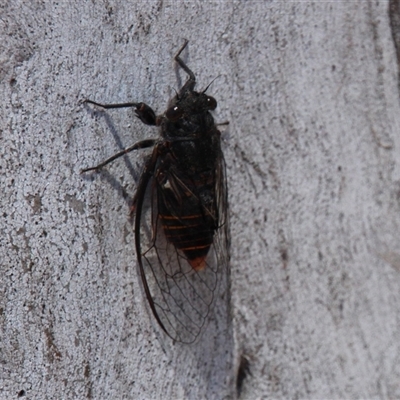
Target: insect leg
[
  {"x": 138, "y": 145},
  {"x": 144, "y": 112},
  {"x": 121, "y": 105},
  {"x": 189, "y": 85}
]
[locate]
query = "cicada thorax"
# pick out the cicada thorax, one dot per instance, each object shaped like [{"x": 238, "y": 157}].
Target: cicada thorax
[{"x": 186, "y": 202}]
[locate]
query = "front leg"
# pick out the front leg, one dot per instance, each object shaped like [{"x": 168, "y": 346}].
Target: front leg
[{"x": 144, "y": 112}]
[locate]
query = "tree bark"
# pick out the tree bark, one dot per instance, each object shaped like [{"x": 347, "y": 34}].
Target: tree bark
[{"x": 311, "y": 93}]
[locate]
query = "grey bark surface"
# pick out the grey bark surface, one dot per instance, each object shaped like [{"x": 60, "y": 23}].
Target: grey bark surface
[{"x": 311, "y": 93}]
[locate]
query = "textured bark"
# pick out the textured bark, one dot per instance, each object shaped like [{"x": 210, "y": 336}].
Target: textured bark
[{"x": 311, "y": 93}]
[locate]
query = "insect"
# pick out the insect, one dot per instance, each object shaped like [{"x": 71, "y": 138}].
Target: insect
[{"x": 180, "y": 210}]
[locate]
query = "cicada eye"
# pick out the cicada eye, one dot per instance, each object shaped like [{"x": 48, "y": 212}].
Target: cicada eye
[
  {"x": 211, "y": 103},
  {"x": 174, "y": 113}
]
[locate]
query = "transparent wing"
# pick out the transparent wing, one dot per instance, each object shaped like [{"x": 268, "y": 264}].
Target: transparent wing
[{"x": 181, "y": 298}]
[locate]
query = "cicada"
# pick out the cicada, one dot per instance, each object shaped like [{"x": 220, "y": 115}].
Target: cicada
[{"x": 180, "y": 210}]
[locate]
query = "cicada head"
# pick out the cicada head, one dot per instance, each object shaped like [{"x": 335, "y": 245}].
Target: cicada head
[{"x": 189, "y": 114}]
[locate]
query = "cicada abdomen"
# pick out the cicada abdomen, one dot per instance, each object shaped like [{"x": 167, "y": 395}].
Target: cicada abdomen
[{"x": 189, "y": 215}]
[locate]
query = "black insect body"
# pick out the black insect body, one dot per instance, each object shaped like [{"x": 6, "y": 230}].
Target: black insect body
[{"x": 181, "y": 238}]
